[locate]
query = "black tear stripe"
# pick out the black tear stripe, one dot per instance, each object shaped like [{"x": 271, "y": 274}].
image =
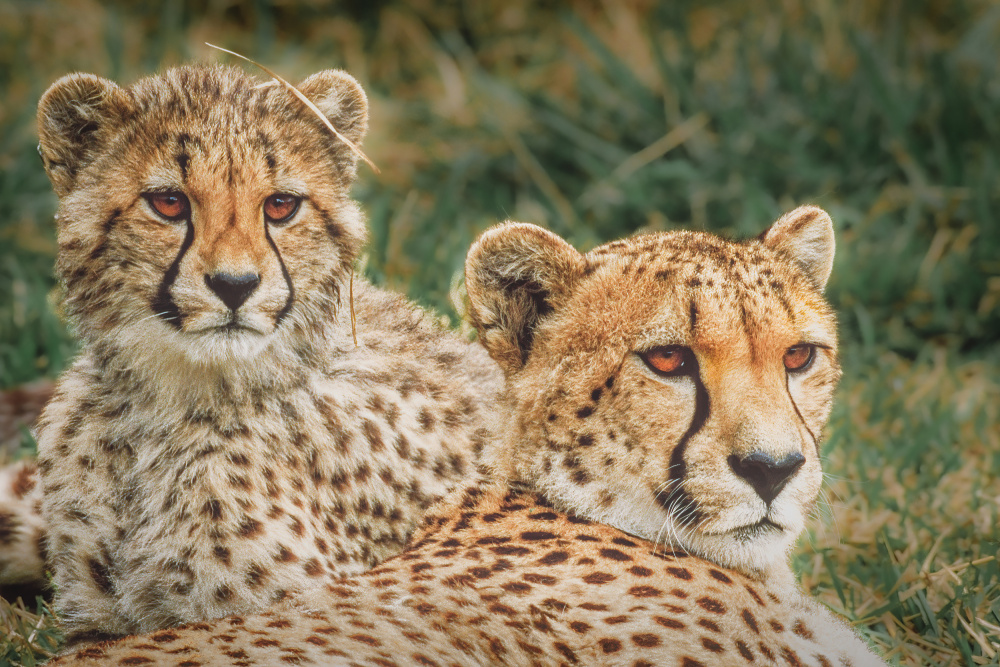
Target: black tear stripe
[
  {"x": 801, "y": 418},
  {"x": 693, "y": 313},
  {"x": 163, "y": 304},
  {"x": 685, "y": 508},
  {"x": 288, "y": 280}
]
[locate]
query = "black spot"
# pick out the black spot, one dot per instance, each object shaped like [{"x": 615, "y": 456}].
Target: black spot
[
  {"x": 712, "y": 605},
  {"x": 182, "y": 161},
  {"x": 101, "y": 576},
  {"x": 537, "y": 535}
]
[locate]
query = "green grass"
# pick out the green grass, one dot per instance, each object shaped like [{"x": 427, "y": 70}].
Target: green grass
[{"x": 602, "y": 121}]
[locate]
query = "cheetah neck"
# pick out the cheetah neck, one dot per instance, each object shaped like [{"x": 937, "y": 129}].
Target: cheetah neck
[{"x": 170, "y": 376}]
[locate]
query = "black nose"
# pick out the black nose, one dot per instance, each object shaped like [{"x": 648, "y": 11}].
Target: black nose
[
  {"x": 233, "y": 289},
  {"x": 766, "y": 475}
]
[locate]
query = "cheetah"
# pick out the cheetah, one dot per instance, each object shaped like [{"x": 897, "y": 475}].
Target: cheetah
[
  {"x": 224, "y": 438},
  {"x": 664, "y": 356},
  {"x": 22, "y": 530}
]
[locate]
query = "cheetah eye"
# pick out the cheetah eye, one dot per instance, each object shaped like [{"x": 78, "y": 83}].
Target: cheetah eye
[
  {"x": 799, "y": 358},
  {"x": 171, "y": 205},
  {"x": 669, "y": 360},
  {"x": 281, "y": 207}
]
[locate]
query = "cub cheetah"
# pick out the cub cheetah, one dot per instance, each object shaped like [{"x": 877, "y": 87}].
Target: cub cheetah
[
  {"x": 222, "y": 441},
  {"x": 22, "y": 531},
  {"x": 513, "y": 569}
]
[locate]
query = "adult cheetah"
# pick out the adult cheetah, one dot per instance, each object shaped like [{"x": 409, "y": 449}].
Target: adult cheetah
[
  {"x": 662, "y": 357},
  {"x": 222, "y": 440}
]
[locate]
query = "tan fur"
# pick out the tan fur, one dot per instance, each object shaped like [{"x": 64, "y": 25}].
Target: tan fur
[
  {"x": 199, "y": 460},
  {"x": 502, "y": 574}
]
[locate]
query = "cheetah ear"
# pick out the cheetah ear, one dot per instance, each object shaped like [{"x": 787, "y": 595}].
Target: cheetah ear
[
  {"x": 516, "y": 274},
  {"x": 342, "y": 100},
  {"x": 78, "y": 113},
  {"x": 805, "y": 235}
]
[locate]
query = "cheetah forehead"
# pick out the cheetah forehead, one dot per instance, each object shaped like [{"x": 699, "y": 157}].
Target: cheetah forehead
[
  {"x": 89, "y": 125},
  {"x": 686, "y": 287}
]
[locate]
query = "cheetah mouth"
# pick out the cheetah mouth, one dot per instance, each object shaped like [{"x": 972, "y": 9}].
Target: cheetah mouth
[
  {"x": 231, "y": 331},
  {"x": 234, "y": 326},
  {"x": 755, "y": 530}
]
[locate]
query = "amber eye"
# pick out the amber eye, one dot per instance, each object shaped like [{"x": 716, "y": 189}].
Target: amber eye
[
  {"x": 799, "y": 357},
  {"x": 670, "y": 360},
  {"x": 280, "y": 207},
  {"x": 169, "y": 205}
]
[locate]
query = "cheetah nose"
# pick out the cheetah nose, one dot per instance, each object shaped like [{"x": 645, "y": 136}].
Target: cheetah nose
[
  {"x": 232, "y": 289},
  {"x": 766, "y": 475}
]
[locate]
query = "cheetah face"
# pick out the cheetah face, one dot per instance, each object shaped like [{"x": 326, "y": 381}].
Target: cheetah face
[
  {"x": 201, "y": 210},
  {"x": 672, "y": 385}
]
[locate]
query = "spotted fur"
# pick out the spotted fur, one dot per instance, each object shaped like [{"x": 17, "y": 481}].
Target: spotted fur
[
  {"x": 209, "y": 452},
  {"x": 521, "y": 568},
  {"x": 500, "y": 577}
]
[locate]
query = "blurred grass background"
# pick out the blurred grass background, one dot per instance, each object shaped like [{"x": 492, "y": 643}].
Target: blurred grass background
[{"x": 601, "y": 119}]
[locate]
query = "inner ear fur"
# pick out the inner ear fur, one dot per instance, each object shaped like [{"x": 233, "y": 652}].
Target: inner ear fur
[
  {"x": 516, "y": 274},
  {"x": 805, "y": 236},
  {"x": 76, "y": 115},
  {"x": 341, "y": 99}
]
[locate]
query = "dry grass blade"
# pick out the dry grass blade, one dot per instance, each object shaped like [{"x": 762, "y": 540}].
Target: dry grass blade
[
  {"x": 25, "y": 634},
  {"x": 305, "y": 100},
  {"x": 661, "y": 146},
  {"x": 354, "y": 322}
]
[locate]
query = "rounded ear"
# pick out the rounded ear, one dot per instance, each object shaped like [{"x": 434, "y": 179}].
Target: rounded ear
[
  {"x": 805, "y": 236},
  {"x": 341, "y": 99},
  {"x": 516, "y": 274},
  {"x": 76, "y": 115}
]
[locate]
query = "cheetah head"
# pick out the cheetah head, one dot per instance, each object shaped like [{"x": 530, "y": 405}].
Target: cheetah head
[
  {"x": 200, "y": 209},
  {"x": 673, "y": 385}
]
